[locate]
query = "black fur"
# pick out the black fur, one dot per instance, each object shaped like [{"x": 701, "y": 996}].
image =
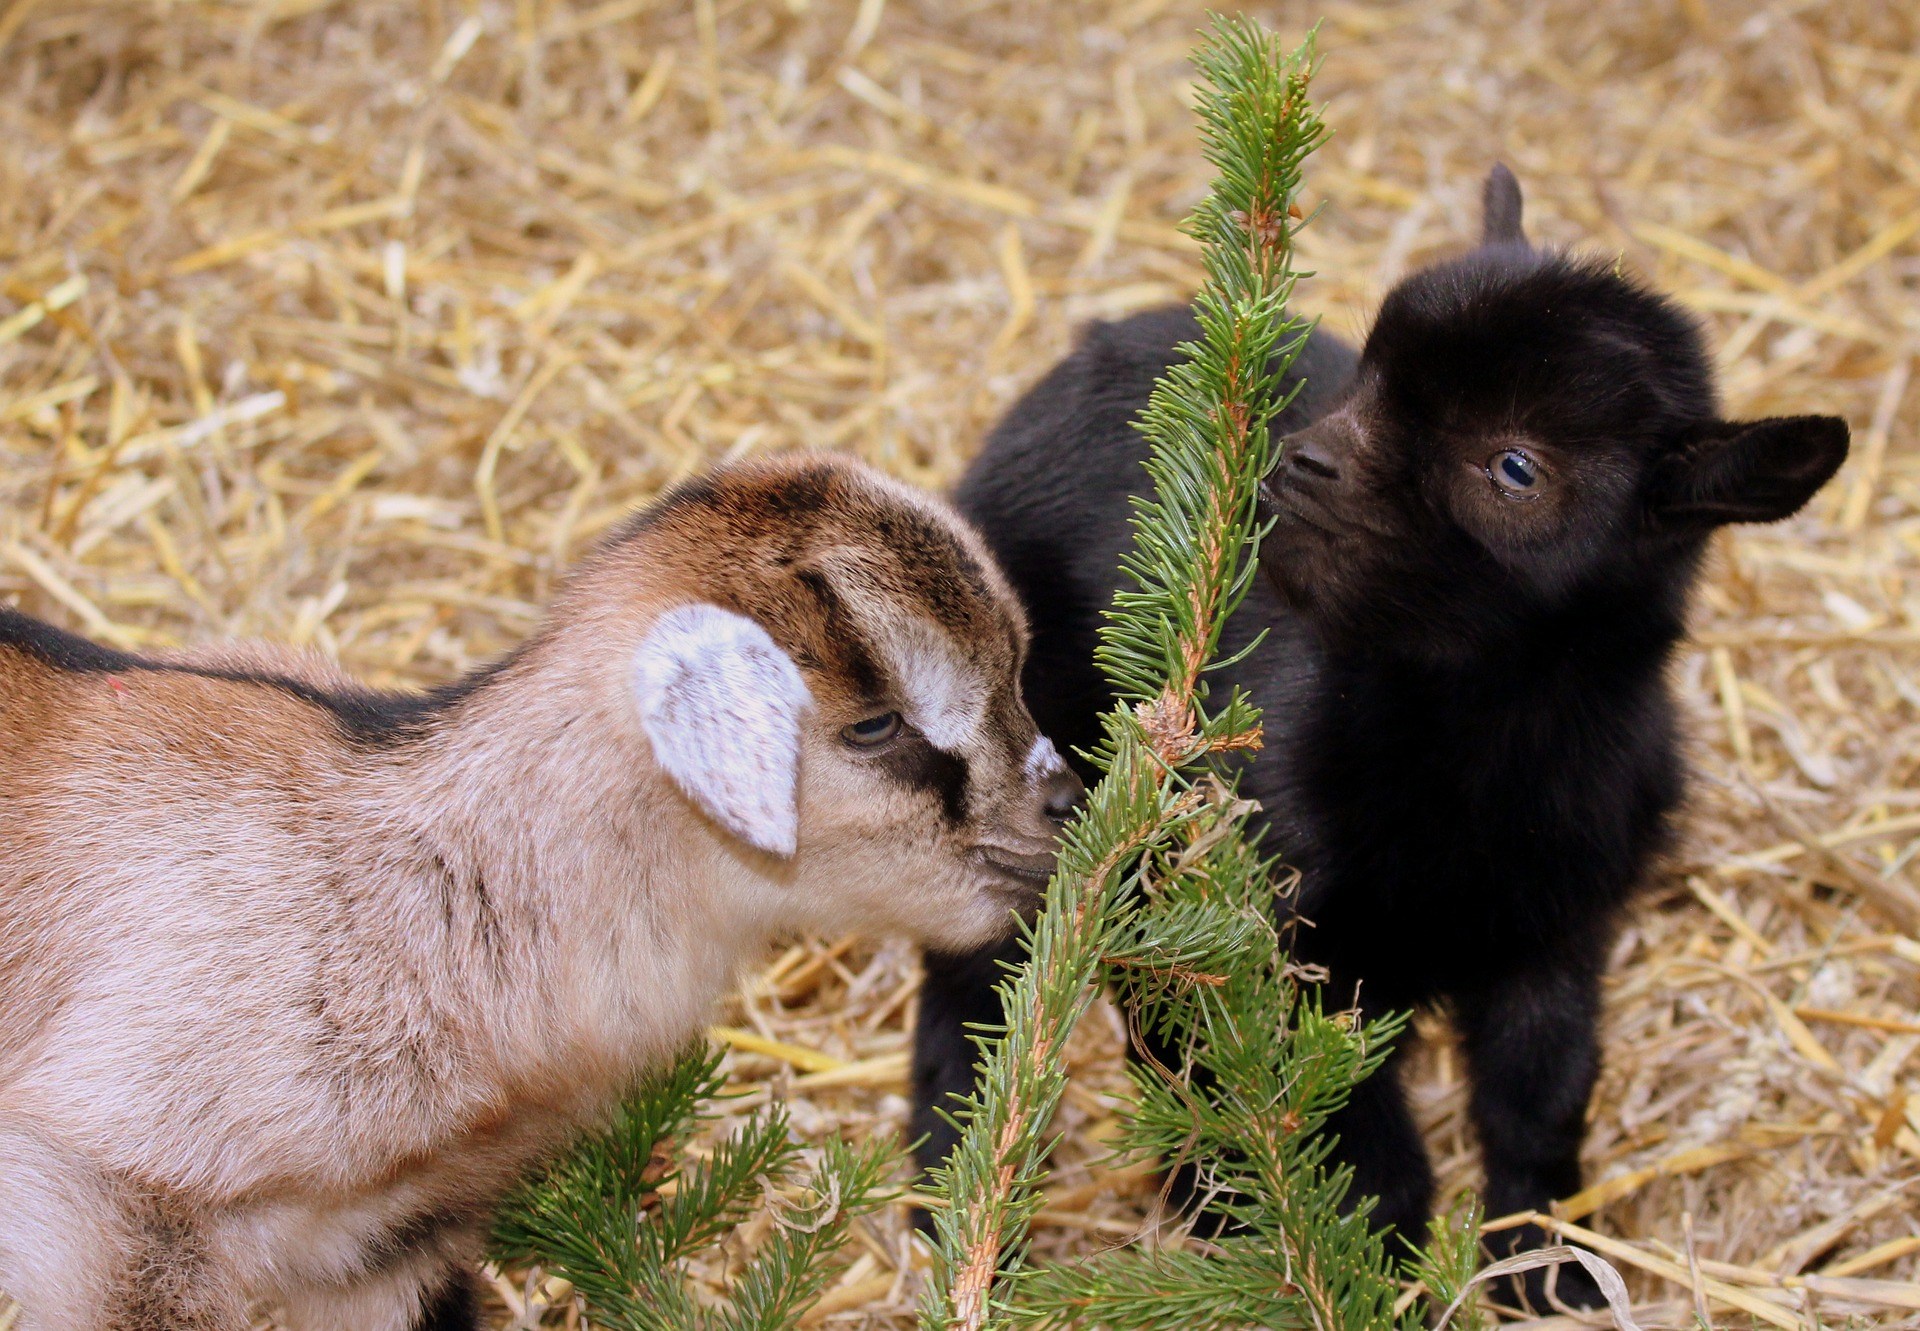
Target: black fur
[
  {"x": 1500, "y": 208},
  {"x": 1471, "y": 750},
  {"x": 367, "y": 719}
]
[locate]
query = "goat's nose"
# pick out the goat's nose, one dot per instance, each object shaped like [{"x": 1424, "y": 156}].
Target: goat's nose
[
  {"x": 1311, "y": 456},
  {"x": 1063, "y": 791}
]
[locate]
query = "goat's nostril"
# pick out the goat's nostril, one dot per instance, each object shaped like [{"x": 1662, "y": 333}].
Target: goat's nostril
[
  {"x": 1063, "y": 792},
  {"x": 1309, "y": 457}
]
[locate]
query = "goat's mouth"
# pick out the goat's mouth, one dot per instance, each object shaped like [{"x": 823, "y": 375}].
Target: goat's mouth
[
  {"x": 1291, "y": 508},
  {"x": 1027, "y": 870},
  {"x": 1300, "y": 542}
]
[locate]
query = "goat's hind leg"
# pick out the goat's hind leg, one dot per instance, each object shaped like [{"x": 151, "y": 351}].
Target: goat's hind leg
[{"x": 68, "y": 1246}]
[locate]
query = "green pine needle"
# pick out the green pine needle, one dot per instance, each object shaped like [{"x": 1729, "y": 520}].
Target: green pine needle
[
  {"x": 619, "y": 1221},
  {"x": 1158, "y": 888}
]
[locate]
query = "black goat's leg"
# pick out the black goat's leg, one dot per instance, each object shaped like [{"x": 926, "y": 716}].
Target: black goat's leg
[
  {"x": 1381, "y": 1143},
  {"x": 959, "y": 993},
  {"x": 1533, "y": 1044}
]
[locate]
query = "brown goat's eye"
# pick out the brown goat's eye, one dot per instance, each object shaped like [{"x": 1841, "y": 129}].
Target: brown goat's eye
[
  {"x": 1514, "y": 474},
  {"x": 874, "y": 730}
]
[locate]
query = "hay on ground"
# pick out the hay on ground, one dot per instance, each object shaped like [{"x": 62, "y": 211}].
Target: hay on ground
[{"x": 348, "y": 324}]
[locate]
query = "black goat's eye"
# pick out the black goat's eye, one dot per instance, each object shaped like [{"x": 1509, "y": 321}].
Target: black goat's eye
[
  {"x": 874, "y": 730},
  {"x": 1516, "y": 475}
]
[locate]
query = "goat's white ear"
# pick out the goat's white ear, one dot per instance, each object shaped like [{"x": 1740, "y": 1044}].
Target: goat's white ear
[{"x": 721, "y": 704}]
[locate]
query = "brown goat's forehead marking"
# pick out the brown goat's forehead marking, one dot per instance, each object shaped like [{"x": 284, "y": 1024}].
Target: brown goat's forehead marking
[
  {"x": 801, "y": 544},
  {"x": 780, "y": 513},
  {"x": 838, "y": 647}
]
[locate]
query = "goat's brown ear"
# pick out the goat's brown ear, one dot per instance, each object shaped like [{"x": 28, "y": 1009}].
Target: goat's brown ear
[
  {"x": 721, "y": 704},
  {"x": 1500, "y": 208},
  {"x": 1749, "y": 471}
]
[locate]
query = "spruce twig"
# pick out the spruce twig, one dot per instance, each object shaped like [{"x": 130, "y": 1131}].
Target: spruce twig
[
  {"x": 1261, "y": 1066},
  {"x": 1208, "y": 422},
  {"x": 619, "y": 1219}
]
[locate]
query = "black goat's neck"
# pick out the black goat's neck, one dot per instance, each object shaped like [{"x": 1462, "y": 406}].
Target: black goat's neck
[{"x": 1604, "y": 640}]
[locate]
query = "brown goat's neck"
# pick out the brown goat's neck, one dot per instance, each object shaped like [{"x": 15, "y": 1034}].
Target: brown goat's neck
[{"x": 585, "y": 904}]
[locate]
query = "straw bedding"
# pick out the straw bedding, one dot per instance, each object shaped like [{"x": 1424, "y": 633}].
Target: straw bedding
[{"x": 347, "y": 325}]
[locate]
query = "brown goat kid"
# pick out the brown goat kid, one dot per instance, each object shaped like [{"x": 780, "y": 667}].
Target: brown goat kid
[{"x": 296, "y": 978}]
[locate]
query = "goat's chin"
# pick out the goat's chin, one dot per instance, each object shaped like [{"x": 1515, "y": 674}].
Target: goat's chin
[
  {"x": 989, "y": 930},
  {"x": 1005, "y": 904},
  {"x": 987, "y": 915}
]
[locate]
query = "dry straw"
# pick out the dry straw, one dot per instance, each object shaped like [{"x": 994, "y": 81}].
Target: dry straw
[{"x": 348, "y": 324}]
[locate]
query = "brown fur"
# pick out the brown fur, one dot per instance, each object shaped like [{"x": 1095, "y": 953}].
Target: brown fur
[{"x": 289, "y": 995}]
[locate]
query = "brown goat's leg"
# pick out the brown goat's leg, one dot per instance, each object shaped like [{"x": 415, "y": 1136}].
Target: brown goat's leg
[{"x": 424, "y": 1294}]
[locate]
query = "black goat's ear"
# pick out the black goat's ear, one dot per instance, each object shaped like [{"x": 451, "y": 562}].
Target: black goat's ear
[
  {"x": 1500, "y": 208},
  {"x": 1749, "y": 471}
]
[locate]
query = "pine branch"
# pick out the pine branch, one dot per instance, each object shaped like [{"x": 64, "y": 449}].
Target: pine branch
[
  {"x": 791, "y": 1269},
  {"x": 1208, "y": 423},
  {"x": 718, "y": 1193},
  {"x": 991, "y": 1175},
  {"x": 620, "y": 1222},
  {"x": 1261, "y": 1068},
  {"x": 1447, "y": 1265},
  {"x": 580, "y": 1217}
]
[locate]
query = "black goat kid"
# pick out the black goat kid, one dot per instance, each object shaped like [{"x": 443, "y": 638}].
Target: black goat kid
[{"x": 1488, "y": 526}]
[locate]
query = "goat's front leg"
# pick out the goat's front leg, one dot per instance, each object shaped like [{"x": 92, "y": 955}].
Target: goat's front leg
[
  {"x": 1380, "y": 1140},
  {"x": 455, "y": 1306},
  {"x": 423, "y": 1295},
  {"x": 77, "y": 1253},
  {"x": 1533, "y": 1044}
]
